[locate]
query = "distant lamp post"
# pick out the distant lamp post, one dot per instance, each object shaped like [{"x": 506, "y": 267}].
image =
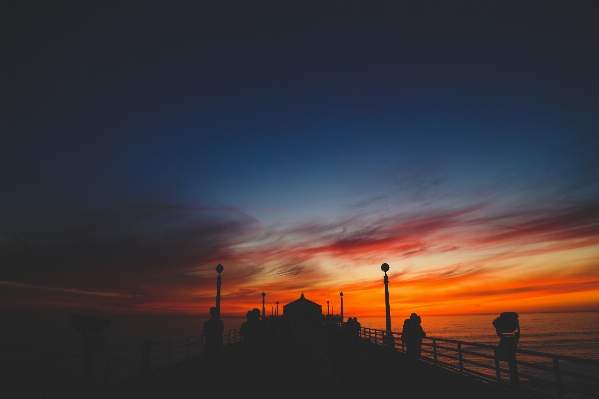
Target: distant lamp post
[
  {"x": 219, "y": 269},
  {"x": 277, "y": 314},
  {"x": 389, "y": 336},
  {"x": 263, "y": 311},
  {"x": 89, "y": 328},
  {"x": 328, "y": 308},
  {"x": 341, "y": 295}
]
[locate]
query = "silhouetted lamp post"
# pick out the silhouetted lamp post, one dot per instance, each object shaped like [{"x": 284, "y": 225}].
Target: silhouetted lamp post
[
  {"x": 89, "y": 328},
  {"x": 277, "y": 314},
  {"x": 341, "y": 295},
  {"x": 263, "y": 311},
  {"x": 389, "y": 336},
  {"x": 328, "y": 308},
  {"x": 219, "y": 269}
]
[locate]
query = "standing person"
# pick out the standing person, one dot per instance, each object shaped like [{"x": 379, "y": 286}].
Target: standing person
[
  {"x": 347, "y": 334},
  {"x": 254, "y": 334},
  {"x": 412, "y": 336},
  {"x": 357, "y": 329},
  {"x": 213, "y": 344}
]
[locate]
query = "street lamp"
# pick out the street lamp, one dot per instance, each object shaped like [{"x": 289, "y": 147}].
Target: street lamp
[
  {"x": 277, "y": 314},
  {"x": 89, "y": 328},
  {"x": 389, "y": 336},
  {"x": 219, "y": 269},
  {"x": 341, "y": 295},
  {"x": 263, "y": 312},
  {"x": 328, "y": 308}
]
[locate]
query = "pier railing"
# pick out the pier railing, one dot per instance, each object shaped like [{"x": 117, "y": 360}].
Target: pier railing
[
  {"x": 537, "y": 374},
  {"x": 62, "y": 377}
]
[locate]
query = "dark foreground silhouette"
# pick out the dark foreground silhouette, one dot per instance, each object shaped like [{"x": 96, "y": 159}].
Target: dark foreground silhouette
[
  {"x": 213, "y": 346},
  {"x": 411, "y": 335},
  {"x": 307, "y": 365}
]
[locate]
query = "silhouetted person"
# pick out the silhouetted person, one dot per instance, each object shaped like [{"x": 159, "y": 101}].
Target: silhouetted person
[
  {"x": 342, "y": 347},
  {"x": 357, "y": 328},
  {"x": 254, "y": 334},
  {"x": 412, "y": 335},
  {"x": 507, "y": 328},
  {"x": 213, "y": 345},
  {"x": 348, "y": 332}
]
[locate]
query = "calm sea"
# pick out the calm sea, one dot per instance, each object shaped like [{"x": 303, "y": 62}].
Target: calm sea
[
  {"x": 573, "y": 334},
  {"x": 26, "y": 337}
]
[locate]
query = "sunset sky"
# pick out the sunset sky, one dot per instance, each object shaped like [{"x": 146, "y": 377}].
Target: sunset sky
[{"x": 300, "y": 145}]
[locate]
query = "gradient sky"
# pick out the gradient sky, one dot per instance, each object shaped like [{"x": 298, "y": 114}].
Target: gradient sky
[{"x": 301, "y": 145}]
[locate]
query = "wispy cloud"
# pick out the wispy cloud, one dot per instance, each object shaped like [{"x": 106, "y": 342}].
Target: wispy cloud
[{"x": 163, "y": 256}]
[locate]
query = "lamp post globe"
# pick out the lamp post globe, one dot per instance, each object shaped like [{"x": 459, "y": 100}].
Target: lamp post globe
[{"x": 385, "y": 267}]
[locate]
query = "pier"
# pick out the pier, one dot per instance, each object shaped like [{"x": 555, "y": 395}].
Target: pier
[
  {"x": 309, "y": 366},
  {"x": 311, "y": 371}
]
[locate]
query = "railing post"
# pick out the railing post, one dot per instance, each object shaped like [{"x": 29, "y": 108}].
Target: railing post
[
  {"x": 87, "y": 367},
  {"x": 460, "y": 357},
  {"x": 187, "y": 347},
  {"x": 558, "y": 378},
  {"x": 106, "y": 370},
  {"x": 146, "y": 357},
  {"x": 435, "y": 350},
  {"x": 497, "y": 369},
  {"x": 513, "y": 367},
  {"x": 169, "y": 351},
  {"x": 47, "y": 379}
]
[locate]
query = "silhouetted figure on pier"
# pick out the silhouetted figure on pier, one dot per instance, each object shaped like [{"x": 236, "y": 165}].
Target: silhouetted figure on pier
[
  {"x": 507, "y": 328},
  {"x": 348, "y": 335},
  {"x": 213, "y": 344},
  {"x": 357, "y": 328},
  {"x": 255, "y": 336},
  {"x": 341, "y": 341},
  {"x": 412, "y": 335}
]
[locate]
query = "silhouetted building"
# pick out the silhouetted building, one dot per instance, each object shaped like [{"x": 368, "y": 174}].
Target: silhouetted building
[
  {"x": 303, "y": 313},
  {"x": 302, "y": 308}
]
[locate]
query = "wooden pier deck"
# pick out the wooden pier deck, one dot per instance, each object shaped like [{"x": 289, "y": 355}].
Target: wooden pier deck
[{"x": 309, "y": 369}]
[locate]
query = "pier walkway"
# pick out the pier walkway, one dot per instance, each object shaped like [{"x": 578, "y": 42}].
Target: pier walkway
[
  {"x": 314, "y": 364},
  {"x": 309, "y": 369}
]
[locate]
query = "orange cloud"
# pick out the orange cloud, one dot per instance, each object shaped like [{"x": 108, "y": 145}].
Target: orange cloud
[{"x": 445, "y": 262}]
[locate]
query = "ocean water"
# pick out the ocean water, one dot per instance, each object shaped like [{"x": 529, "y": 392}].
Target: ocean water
[{"x": 571, "y": 334}]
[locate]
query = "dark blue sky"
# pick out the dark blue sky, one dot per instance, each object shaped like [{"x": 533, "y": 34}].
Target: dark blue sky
[{"x": 165, "y": 136}]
